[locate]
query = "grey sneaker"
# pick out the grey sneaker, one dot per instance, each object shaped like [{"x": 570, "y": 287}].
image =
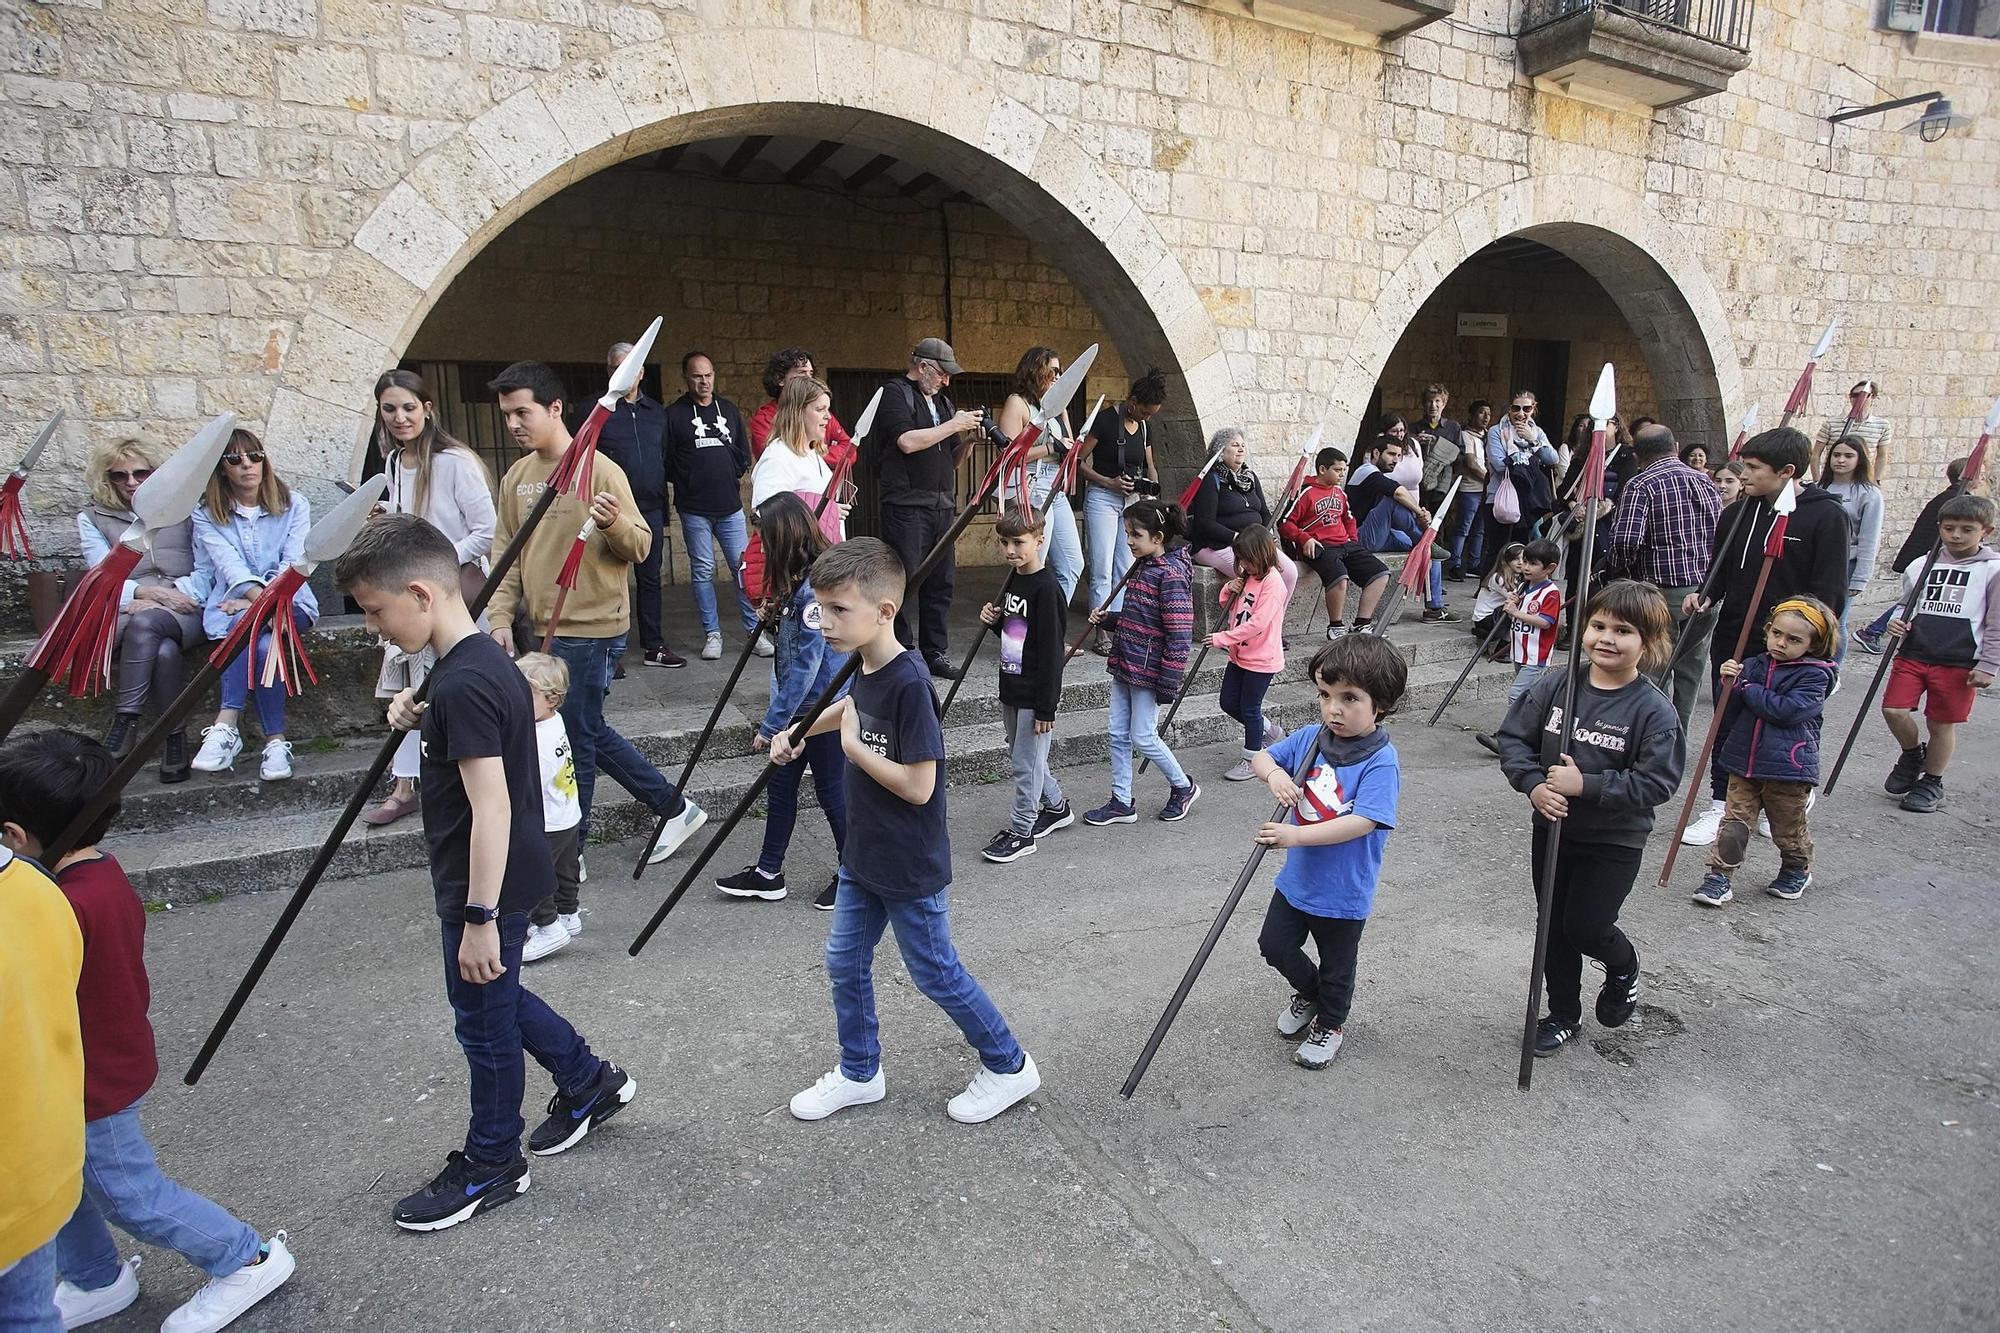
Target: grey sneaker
[
  {"x": 711, "y": 647},
  {"x": 1298, "y": 1012},
  {"x": 1790, "y": 885},
  {"x": 1243, "y": 772},
  {"x": 1317, "y": 1050},
  {"x": 1926, "y": 794},
  {"x": 1714, "y": 890}
]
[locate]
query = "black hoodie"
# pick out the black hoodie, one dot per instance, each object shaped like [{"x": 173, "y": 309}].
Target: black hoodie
[{"x": 1814, "y": 562}]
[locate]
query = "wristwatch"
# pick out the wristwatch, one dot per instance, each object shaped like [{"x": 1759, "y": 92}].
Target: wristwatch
[{"x": 477, "y": 914}]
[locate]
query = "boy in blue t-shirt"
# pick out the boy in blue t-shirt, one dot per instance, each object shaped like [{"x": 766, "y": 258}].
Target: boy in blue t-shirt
[
  {"x": 896, "y": 863},
  {"x": 1342, "y": 812}
]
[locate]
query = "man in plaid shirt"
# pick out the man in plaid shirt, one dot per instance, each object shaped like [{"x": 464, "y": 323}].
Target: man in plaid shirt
[{"x": 1661, "y": 534}]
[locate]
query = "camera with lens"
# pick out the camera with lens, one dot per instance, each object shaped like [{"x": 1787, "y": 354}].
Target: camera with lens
[
  {"x": 1142, "y": 484},
  {"x": 994, "y": 435}
]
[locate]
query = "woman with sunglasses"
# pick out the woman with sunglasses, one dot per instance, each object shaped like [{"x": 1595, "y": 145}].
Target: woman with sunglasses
[
  {"x": 1062, "y": 545},
  {"x": 159, "y": 615},
  {"x": 440, "y": 479},
  {"x": 247, "y": 528},
  {"x": 1516, "y": 440}
]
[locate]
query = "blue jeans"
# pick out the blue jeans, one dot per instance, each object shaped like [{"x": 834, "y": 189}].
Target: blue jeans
[
  {"x": 1062, "y": 547},
  {"x": 923, "y": 934},
  {"x": 28, "y": 1294},
  {"x": 781, "y": 798},
  {"x": 1110, "y": 553},
  {"x": 122, "y": 1183},
  {"x": 1388, "y": 527},
  {"x": 703, "y": 533},
  {"x": 236, "y": 687},
  {"x": 1468, "y": 534},
  {"x": 594, "y": 743},
  {"x": 495, "y": 1023},
  {"x": 1525, "y": 676},
  {"x": 1135, "y": 715}
]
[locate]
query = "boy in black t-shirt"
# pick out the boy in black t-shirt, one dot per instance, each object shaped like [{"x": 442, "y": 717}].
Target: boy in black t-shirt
[
  {"x": 490, "y": 865},
  {"x": 1030, "y": 620},
  {"x": 897, "y": 861}
]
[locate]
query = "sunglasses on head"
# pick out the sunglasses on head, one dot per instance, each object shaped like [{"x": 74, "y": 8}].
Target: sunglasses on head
[
  {"x": 237, "y": 460},
  {"x": 136, "y": 474}
]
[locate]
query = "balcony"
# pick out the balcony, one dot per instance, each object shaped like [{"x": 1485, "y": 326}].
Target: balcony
[
  {"x": 1362, "y": 22},
  {"x": 1629, "y": 54}
]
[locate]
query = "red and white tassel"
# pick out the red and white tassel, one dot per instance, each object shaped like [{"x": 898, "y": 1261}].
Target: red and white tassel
[
  {"x": 77, "y": 647},
  {"x": 566, "y": 577},
  {"x": 13, "y": 522},
  {"x": 575, "y": 468}
]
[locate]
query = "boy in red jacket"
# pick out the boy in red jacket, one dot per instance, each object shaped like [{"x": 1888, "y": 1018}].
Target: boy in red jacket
[
  {"x": 1320, "y": 529},
  {"x": 45, "y": 780}
]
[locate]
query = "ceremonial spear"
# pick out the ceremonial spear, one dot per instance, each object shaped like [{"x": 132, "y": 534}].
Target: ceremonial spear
[
  {"x": 77, "y": 646},
  {"x": 1907, "y": 612},
  {"x": 1416, "y": 569},
  {"x": 13, "y": 521},
  {"x": 1052, "y": 404},
  {"x": 1603, "y": 406},
  {"x": 622, "y": 380},
  {"x": 765, "y": 623}
]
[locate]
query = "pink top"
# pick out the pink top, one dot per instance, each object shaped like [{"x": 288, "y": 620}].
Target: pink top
[{"x": 1255, "y": 637}]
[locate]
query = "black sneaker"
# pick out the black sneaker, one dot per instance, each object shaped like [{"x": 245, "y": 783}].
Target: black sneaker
[
  {"x": 1551, "y": 1033},
  {"x": 1454, "y": 571},
  {"x": 1179, "y": 801},
  {"x": 942, "y": 668},
  {"x": 570, "y": 1118},
  {"x": 463, "y": 1188},
  {"x": 174, "y": 765},
  {"x": 824, "y": 902},
  {"x": 1438, "y": 615},
  {"x": 1909, "y": 765},
  {"x": 1619, "y": 997},
  {"x": 1006, "y": 846},
  {"x": 750, "y": 882},
  {"x": 1486, "y": 739},
  {"x": 1926, "y": 795},
  {"x": 1048, "y": 820}
]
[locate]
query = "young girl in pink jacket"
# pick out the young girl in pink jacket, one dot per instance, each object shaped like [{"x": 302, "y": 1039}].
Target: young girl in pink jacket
[{"x": 1254, "y": 604}]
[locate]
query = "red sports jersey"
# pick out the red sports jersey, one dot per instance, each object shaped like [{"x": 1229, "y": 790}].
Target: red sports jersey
[{"x": 1534, "y": 643}]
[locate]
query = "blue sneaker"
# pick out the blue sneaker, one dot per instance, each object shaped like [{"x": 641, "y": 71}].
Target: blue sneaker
[
  {"x": 463, "y": 1188},
  {"x": 1113, "y": 811},
  {"x": 1790, "y": 885},
  {"x": 570, "y": 1118},
  {"x": 1714, "y": 891},
  {"x": 1179, "y": 801}
]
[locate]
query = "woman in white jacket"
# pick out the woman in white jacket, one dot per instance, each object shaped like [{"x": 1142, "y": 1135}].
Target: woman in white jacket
[{"x": 441, "y": 479}]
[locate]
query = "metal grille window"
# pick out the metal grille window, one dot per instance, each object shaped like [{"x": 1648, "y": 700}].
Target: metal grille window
[{"x": 1725, "y": 21}]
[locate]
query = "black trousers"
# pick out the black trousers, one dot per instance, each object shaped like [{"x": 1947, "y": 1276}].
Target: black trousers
[
  {"x": 1338, "y": 940},
  {"x": 1592, "y": 882},
  {"x": 912, "y": 530},
  {"x": 647, "y": 572}
]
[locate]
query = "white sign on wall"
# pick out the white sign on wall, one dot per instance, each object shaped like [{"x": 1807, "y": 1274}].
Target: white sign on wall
[{"x": 1481, "y": 326}]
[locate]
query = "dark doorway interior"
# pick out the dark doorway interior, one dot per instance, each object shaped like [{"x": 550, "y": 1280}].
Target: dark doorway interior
[{"x": 1542, "y": 364}]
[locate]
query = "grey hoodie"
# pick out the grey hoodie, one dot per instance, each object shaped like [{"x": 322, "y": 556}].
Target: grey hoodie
[{"x": 1627, "y": 742}]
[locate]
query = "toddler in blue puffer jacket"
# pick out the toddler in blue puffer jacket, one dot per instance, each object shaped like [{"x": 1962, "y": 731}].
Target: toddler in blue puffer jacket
[{"x": 1770, "y": 746}]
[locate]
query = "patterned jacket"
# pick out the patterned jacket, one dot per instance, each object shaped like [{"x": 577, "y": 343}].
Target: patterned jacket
[{"x": 1149, "y": 649}]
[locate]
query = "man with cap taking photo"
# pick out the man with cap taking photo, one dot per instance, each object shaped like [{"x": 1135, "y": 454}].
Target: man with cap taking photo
[{"x": 916, "y": 442}]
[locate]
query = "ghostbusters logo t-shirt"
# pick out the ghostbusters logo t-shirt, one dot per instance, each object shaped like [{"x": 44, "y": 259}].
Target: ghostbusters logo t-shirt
[{"x": 1338, "y": 881}]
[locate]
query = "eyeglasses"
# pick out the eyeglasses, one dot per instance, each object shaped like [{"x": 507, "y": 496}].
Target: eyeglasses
[
  {"x": 238, "y": 460},
  {"x": 137, "y": 474}
]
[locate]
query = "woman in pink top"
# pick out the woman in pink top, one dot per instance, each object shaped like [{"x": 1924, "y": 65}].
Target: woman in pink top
[{"x": 1254, "y": 604}]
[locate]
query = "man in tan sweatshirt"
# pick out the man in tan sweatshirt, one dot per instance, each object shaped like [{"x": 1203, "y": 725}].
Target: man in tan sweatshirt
[{"x": 597, "y": 614}]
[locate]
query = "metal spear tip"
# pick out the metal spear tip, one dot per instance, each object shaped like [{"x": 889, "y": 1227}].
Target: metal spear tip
[
  {"x": 1750, "y": 420},
  {"x": 42, "y": 438},
  {"x": 1311, "y": 446},
  {"x": 1788, "y": 499},
  {"x": 866, "y": 421},
  {"x": 171, "y": 493},
  {"x": 336, "y": 531},
  {"x": 1825, "y": 339},
  {"x": 1992, "y": 417},
  {"x": 1604, "y": 402},
  {"x": 1064, "y": 389},
  {"x": 633, "y": 366}
]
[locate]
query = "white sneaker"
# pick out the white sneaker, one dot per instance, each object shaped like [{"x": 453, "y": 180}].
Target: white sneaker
[
  {"x": 1764, "y": 816},
  {"x": 989, "y": 1093},
  {"x": 1317, "y": 1050},
  {"x": 1702, "y": 829},
  {"x": 677, "y": 832},
  {"x": 224, "y": 1298},
  {"x": 571, "y": 922},
  {"x": 765, "y": 648},
  {"x": 220, "y": 744},
  {"x": 79, "y": 1307},
  {"x": 711, "y": 648},
  {"x": 1298, "y": 1012},
  {"x": 544, "y": 940},
  {"x": 277, "y": 765},
  {"x": 836, "y": 1092}
]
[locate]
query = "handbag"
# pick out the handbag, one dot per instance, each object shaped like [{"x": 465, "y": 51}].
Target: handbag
[{"x": 1506, "y": 500}]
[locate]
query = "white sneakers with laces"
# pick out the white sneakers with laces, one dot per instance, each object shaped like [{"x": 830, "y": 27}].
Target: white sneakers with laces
[
  {"x": 277, "y": 765},
  {"x": 835, "y": 1091},
  {"x": 219, "y": 1303},
  {"x": 571, "y": 922},
  {"x": 711, "y": 647},
  {"x": 989, "y": 1093},
  {"x": 1702, "y": 829},
  {"x": 79, "y": 1306},
  {"x": 545, "y": 940},
  {"x": 220, "y": 744}
]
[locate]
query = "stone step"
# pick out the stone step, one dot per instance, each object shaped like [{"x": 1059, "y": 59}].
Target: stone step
[{"x": 264, "y": 847}]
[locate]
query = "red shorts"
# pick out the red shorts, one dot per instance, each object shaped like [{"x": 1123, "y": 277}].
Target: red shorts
[{"x": 1948, "y": 689}]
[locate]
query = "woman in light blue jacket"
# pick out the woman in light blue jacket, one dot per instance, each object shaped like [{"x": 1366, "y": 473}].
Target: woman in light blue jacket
[
  {"x": 1849, "y": 474},
  {"x": 247, "y": 528}
]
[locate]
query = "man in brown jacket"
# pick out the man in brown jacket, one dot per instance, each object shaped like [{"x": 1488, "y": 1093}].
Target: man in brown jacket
[{"x": 597, "y": 614}]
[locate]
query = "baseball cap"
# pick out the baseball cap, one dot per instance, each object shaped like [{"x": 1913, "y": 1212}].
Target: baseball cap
[{"x": 938, "y": 350}]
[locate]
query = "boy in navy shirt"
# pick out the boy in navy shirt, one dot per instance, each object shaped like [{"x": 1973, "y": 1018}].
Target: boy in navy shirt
[
  {"x": 897, "y": 860},
  {"x": 1341, "y": 816},
  {"x": 1030, "y": 620},
  {"x": 490, "y": 865}
]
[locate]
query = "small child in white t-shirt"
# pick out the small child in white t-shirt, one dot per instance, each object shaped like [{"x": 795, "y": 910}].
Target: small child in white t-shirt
[{"x": 558, "y": 919}]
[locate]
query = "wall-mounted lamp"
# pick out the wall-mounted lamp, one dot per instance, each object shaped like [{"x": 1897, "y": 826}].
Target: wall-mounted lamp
[{"x": 1937, "y": 121}]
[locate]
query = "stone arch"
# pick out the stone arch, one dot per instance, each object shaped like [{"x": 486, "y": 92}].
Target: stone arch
[
  {"x": 598, "y": 111},
  {"x": 1648, "y": 268}
]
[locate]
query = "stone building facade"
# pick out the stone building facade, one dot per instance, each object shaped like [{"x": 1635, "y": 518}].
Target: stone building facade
[{"x": 256, "y": 205}]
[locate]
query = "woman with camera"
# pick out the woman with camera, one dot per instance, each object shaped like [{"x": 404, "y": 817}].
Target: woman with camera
[
  {"x": 1230, "y": 499},
  {"x": 1117, "y": 467}
]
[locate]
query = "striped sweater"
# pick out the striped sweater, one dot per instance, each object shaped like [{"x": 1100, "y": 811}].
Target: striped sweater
[{"x": 1149, "y": 648}]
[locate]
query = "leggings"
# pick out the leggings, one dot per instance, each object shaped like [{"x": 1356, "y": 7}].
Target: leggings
[
  {"x": 1243, "y": 699},
  {"x": 824, "y": 756},
  {"x": 149, "y": 659},
  {"x": 1592, "y": 881}
]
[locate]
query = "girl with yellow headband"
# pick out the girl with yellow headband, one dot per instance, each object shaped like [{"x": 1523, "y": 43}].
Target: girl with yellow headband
[{"x": 1770, "y": 746}]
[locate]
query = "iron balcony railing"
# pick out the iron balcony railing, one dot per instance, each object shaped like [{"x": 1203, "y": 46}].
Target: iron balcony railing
[{"x": 1726, "y": 22}]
